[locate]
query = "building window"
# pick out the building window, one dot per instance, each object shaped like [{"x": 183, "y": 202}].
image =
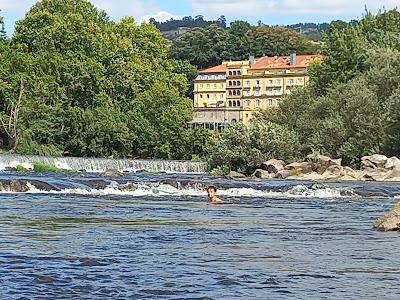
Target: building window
[
  {"x": 247, "y": 83},
  {"x": 208, "y": 85},
  {"x": 230, "y": 103},
  {"x": 221, "y": 96},
  {"x": 234, "y": 103},
  {"x": 215, "y": 85},
  {"x": 230, "y": 93},
  {"x": 257, "y": 102},
  {"x": 238, "y": 83},
  {"x": 271, "y": 82},
  {"x": 230, "y": 73},
  {"x": 270, "y": 102},
  {"x": 222, "y": 85},
  {"x": 239, "y": 73},
  {"x": 233, "y": 121},
  {"x": 258, "y": 82},
  {"x": 234, "y": 73},
  {"x": 201, "y": 96},
  {"x": 201, "y": 85},
  {"x": 247, "y": 103},
  {"x": 230, "y": 83},
  {"x": 238, "y": 103},
  {"x": 234, "y": 83},
  {"x": 208, "y": 96},
  {"x": 205, "y": 104},
  {"x": 238, "y": 93}
]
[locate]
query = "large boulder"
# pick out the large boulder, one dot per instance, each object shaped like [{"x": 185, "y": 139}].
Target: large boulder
[
  {"x": 391, "y": 221},
  {"x": 273, "y": 166},
  {"x": 375, "y": 161},
  {"x": 262, "y": 174},
  {"x": 393, "y": 174},
  {"x": 374, "y": 175},
  {"x": 381, "y": 174},
  {"x": 392, "y": 163},
  {"x": 322, "y": 162},
  {"x": 112, "y": 173},
  {"x": 237, "y": 175},
  {"x": 348, "y": 174},
  {"x": 299, "y": 168},
  {"x": 283, "y": 174}
]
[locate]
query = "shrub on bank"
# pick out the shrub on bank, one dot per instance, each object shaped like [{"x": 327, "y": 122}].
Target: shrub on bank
[
  {"x": 21, "y": 169},
  {"x": 43, "y": 168},
  {"x": 243, "y": 148}
]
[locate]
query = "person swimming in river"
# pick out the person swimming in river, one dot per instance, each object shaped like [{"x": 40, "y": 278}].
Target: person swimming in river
[{"x": 212, "y": 195}]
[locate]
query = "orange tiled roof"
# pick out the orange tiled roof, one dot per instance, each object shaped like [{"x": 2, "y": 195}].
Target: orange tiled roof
[
  {"x": 278, "y": 62},
  {"x": 216, "y": 69}
]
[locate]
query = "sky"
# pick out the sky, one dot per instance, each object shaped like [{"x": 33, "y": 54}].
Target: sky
[{"x": 272, "y": 12}]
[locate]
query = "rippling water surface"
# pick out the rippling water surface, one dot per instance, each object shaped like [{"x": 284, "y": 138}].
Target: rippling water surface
[{"x": 275, "y": 240}]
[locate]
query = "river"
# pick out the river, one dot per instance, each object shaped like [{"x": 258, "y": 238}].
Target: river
[{"x": 154, "y": 236}]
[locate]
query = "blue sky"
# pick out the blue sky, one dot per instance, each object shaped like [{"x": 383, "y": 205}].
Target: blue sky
[{"x": 268, "y": 11}]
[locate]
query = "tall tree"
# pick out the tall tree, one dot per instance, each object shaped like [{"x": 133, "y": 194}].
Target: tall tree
[
  {"x": 202, "y": 47},
  {"x": 74, "y": 82}
]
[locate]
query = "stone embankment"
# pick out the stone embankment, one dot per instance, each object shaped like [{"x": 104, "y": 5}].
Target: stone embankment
[{"x": 323, "y": 168}]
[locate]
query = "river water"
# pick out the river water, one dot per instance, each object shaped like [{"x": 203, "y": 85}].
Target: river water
[{"x": 149, "y": 236}]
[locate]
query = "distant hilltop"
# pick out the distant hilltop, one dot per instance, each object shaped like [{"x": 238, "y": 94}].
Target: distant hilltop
[{"x": 172, "y": 28}]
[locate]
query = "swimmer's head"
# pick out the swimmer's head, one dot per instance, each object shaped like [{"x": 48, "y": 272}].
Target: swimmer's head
[{"x": 212, "y": 192}]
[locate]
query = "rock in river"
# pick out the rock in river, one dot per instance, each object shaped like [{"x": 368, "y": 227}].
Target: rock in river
[
  {"x": 112, "y": 173},
  {"x": 391, "y": 221}
]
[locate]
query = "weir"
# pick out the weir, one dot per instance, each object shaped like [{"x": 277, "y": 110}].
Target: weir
[{"x": 103, "y": 164}]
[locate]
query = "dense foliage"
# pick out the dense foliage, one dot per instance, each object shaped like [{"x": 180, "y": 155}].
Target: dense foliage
[
  {"x": 351, "y": 108},
  {"x": 73, "y": 82},
  {"x": 209, "y": 46},
  {"x": 241, "y": 147}
]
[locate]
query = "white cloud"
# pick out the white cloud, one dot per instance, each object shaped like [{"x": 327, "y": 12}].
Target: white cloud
[
  {"x": 265, "y": 8},
  {"x": 160, "y": 16}
]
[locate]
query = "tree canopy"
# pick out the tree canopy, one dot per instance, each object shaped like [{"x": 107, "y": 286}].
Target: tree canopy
[
  {"x": 74, "y": 82},
  {"x": 209, "y": 46}
]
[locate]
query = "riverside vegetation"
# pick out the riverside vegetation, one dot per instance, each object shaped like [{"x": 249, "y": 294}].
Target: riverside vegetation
[{"x": 73, "y": 82}]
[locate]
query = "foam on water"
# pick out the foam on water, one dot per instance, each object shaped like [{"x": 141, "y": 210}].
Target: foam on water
[{"x": 161, "y": 190}]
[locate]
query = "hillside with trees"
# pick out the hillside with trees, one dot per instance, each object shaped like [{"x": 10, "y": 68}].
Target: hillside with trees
[
  {"x": 189, "y": 22},
  {"x": 209, "y": 46}
]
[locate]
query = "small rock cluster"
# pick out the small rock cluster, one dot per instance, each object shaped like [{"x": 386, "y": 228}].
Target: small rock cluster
[{"x": 376, "y": 167}]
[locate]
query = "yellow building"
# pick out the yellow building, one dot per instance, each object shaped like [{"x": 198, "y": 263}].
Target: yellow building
[{"x": 236, "y": 90}]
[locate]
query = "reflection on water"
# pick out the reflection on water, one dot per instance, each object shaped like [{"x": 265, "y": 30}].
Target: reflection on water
[{"x": 66, "y": 246}]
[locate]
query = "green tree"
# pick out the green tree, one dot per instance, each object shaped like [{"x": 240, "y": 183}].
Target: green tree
[
  {"x": 190, "y": 71},
  {"x": 73, "y": 82},
  {"x": 275, "y": 41},
  {"x": 243, "y": 148},
  {"x": 3, "y": 35},
  {"x": 237, "y": 44},
  {"x": 202, "y": 47}
]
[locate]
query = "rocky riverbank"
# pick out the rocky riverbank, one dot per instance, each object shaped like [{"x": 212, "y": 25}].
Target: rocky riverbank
[{"x": 316, "y": 167}]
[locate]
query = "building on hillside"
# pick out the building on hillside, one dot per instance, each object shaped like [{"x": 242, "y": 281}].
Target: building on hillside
[
  {"x": 236, "y": 91},
  {"x": 175, "y": 33}
]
